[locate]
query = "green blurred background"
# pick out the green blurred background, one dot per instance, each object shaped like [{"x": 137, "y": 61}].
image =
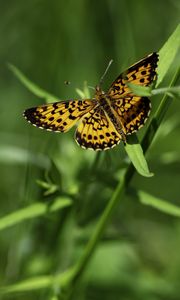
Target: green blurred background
[{"x": 54, "y": 41}]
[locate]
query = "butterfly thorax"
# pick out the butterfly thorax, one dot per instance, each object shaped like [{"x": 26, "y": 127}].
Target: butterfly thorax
[{"x": 105, "y": 104}]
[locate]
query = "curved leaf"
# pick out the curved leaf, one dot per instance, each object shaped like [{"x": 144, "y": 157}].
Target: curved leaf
[
  {"x": 136, "y": 155},
  {"x": 31, "y": 86},
  {"x": 33, "y": 211}
]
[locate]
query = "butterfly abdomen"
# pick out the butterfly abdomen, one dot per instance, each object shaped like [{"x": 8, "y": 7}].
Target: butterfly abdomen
[{"x": 105, "y": 103}]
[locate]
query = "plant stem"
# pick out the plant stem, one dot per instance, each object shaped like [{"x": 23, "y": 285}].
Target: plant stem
[{"x": 119, "y": 192}]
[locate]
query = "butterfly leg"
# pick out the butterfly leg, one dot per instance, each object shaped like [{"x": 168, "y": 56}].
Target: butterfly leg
[{"x": 123, "y": 135}]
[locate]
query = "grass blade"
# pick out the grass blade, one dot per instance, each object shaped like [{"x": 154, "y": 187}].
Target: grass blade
[
  {"x": 159, "y": 204},
  {"x": 39, "y": 282},
  {"x": 167, "y": 54},
  {"x": 33, "y": 211},
  {"x": 32, "y": 87},
  {"x": 28, "y": 285}
]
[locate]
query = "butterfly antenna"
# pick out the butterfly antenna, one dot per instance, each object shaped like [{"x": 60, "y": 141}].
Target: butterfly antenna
[{"x": 108, "y": 66}]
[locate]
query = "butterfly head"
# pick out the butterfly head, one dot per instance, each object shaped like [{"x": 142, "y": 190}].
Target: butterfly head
[{"x": 99, "y": 91}]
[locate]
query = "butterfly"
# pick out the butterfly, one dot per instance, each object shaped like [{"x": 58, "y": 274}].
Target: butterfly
[{"x": 106, "y": 119}]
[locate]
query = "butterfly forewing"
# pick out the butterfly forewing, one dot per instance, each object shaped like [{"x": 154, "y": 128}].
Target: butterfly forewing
[
  {"x": 59, "y": 116},
  {"x": 142, "y": 73},
  {"x": 133, "y": 111}
]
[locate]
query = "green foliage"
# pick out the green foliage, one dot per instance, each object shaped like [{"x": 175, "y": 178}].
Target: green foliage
[
  {"x": 135, "y": 153},
  {"x": 159, "y": 204},
  {"x": 167, "y": 54},
  {"x": 49, "y": 248},
  {"x": 36, "y": 90},
  {"x": 33, "y": 211}
]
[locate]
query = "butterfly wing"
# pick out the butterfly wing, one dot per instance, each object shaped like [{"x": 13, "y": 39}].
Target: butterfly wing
[
  {"x": 96, "y": 131},
  {"x": 59, "y": 116},
  {"x": 142, "y": 73},
  {"x": 133, "y": 110}
]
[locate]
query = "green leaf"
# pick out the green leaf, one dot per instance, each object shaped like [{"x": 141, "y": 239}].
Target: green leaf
[
  {"x": 86, "y": 90},
  {"x": 167, "y": 54},
  {"x": 140, "y": 90},
  {"x": 39, "y": 282},
  {"x": 159, "y": 204},
  {"x": 49, "y": 187},
  {"x": 28, "y": 285},
  {"x": 80, "y": 93},
  {"x": 136, "y": 155},
  {"x": 84, "y": 94},
  {"x": 147, "y": 90},
  {"x": 32, "y": 87},
  {"x": 33, "y": 211},
  {"x": 175, "y": 90}
]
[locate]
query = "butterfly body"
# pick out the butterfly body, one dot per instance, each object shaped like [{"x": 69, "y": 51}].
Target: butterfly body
[
  {"x": 105, "y": 104},
  {"x": 106, "y": 119}
]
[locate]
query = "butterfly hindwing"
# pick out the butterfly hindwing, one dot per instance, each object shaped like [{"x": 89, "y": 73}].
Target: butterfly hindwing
[
  {"x": 59, "y": 116},
  {"x": 96, "y": 131},
  {"x": 133, "y": 112}
]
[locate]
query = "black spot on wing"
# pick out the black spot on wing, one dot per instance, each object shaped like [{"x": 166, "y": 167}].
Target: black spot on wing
[{"x": 32, "y": 115}]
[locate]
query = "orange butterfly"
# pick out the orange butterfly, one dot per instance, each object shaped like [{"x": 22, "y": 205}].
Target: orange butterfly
[{"x": 107, "y": 118}]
